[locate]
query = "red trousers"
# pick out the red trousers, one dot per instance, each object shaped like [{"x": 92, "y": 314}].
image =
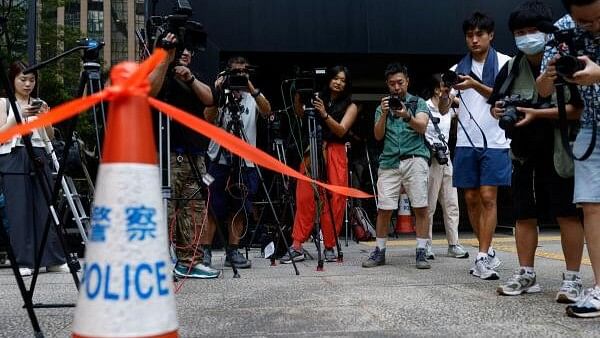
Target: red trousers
[{"x": 332, "y": 204}]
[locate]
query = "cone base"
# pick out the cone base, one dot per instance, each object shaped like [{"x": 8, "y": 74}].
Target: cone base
[{"x": 172, "y": 334}]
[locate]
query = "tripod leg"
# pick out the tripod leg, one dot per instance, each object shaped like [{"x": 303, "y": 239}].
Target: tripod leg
[{"x": 20, "y": 283}]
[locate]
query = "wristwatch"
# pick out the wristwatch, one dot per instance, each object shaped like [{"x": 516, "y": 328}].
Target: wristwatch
[
  {"x": 255, "y": 93},
  {"x": 190, "y": 81}
]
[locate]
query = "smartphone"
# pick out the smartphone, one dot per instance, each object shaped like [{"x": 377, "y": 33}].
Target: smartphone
[{"x": 36, "y": 103}]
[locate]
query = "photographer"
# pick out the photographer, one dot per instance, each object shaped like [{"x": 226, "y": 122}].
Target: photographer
[
  {"x": 176, "y": 84},
  {"x": 440, "y": 170},
  {"x": 338, "y": 113},
  {"x": 481, "y": 155},
  {"x": 26, "y": 208},
  {"x": 401, "y": 121},
  {"x": 584, "y": 15},
  {"x": 235, "y": 180},
  {"x": 535, "y": 181}
]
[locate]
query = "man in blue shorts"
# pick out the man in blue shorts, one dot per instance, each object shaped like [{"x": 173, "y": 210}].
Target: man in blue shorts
[{"x": 481, "y": 159}]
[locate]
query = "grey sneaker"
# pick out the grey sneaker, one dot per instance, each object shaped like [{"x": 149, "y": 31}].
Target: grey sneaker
[
  {"x": 376, "y": 258},
  {"x": 520, "y": 282},
  {"x": 207, "y": 258},
  {"x": 457, "y": 251},
  {"x": 238, "y": 259},
  {"x": 197, "y": 271},
  {"x": 330, "y": 255},
  {"x": 428, "y": 251},
  {"x": 297, "y": 256},
  {"x": 422, "y": 262},
  {"x": 493, "y": 261},
  {"x": 588, "y": 306},
  {"x": 570, "y": 289},
  {"x": 483, "y": 270}
]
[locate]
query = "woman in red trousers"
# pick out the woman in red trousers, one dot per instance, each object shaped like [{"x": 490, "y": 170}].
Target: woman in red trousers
[{"x": 337, "y": 114}]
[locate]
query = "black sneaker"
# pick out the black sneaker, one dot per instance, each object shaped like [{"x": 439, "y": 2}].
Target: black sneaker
[
  {"x": 377, "y": 258},
  {"x": 330, "y": 255},
  {"x": 422, "y": 262},
  {"x": 238, "y": 259},
  {"x": 297, "y": 256}
]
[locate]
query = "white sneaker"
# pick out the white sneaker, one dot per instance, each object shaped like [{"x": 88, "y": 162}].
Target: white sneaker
[
  {"x": 25, "y": 272},
  {"x": 493, "y": 261},
  {"x": 570, "y": 289},
  {"x": 520, "y": 282},
  {"x": 429, "y": 251},
  {"x": 63, "y": 268},
  {"x": 483, "y": 270}
]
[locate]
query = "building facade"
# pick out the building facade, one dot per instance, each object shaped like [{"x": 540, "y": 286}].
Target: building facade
[{"x": 112, "y": 21}]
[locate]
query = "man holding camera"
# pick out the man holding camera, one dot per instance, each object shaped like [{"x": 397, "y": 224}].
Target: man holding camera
[
  {"x": 584, "y": 15},
  {"x": 538, "y": 189},
  {"x": 235, "y": 180},
  {"x": 401, "y": 121},
  {"x": 176, "y": 84},
  {"x": 440, "y": 171},
  {"x": 481, "y": 155}
]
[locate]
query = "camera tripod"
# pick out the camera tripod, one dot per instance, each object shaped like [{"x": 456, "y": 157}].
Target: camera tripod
[
  {"x": 38, "y": 172},
  {"x": 235, "y": 126},
  {"x": 282, "y": 186}
]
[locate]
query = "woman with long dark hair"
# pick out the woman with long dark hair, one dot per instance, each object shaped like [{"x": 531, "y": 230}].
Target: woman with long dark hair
[
  {"x": 337, "y": 114},
  {"x": 26, "y": 208}
]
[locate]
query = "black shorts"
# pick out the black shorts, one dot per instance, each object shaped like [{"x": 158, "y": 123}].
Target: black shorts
[{"x": 538, "y": 191}]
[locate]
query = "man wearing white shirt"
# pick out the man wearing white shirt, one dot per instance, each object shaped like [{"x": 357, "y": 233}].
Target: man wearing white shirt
[{"x": 482, "y": 156}]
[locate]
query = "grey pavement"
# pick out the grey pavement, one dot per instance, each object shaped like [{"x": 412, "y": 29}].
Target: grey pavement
[{"x": 345, "y": 299}]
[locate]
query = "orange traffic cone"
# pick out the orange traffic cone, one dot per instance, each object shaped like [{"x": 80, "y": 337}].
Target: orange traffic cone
[
  {"x": 404, "y": 223},
  {"x": 127, "y": 288}
]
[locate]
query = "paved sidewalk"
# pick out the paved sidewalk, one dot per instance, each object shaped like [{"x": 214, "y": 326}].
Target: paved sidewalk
[{"x": 345, "y": 299}]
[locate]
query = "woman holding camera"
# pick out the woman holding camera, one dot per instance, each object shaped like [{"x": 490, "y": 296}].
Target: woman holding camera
[
  {"x": 26, "y": 208},
  {"x": 337, "y": 114},
  {"x": 440, "y": 174}
]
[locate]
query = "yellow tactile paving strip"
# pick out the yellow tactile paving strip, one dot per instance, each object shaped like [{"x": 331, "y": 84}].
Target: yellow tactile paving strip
[{"x": 503, "y": 243}]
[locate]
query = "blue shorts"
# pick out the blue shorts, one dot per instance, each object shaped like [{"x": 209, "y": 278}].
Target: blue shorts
[
  {"x": 476, "y": 167},
  {"x": 587, "y": 173},
  {"x": 231, "y": 192}
]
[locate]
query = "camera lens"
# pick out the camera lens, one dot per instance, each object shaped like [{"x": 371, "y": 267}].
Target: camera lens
[{"x": 508, "y": 120}]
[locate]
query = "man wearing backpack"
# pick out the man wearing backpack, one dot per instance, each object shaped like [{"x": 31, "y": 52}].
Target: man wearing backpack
[{"x": 536, "y": 185}]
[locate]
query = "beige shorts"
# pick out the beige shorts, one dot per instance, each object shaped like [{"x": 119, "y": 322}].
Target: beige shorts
[{"x": 413, "y": 174}]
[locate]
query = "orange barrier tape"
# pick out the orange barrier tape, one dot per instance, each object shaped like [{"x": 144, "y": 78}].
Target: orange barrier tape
[
  {"x": 243, "y": 149},
  {"x": 137, "y": 85}
]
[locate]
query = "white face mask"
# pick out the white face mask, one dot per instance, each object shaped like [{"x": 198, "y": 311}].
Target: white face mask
[{"x": 531, "y": 44}]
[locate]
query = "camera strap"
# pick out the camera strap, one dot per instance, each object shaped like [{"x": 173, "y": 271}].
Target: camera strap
[
  {"x": 475, "y": 121},
  {"x": 563, "y": 125},
  {"x": 436, "y": 127}
]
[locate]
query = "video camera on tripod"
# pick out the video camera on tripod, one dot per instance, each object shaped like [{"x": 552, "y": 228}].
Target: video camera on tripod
[
  {"x": 571, "y": 43},
  {"x": 236, "y": 79},
  {"x": 307, "y": 84},
  {"x": 190, "y": 34},
  {"x": 91, "y": 53}
]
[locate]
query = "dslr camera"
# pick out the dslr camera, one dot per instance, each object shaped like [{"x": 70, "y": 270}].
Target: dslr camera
[
  {"x": 570, "y": 44},
  {"x": 450, "y": 78},
  {"x": 439, "y": 152},
  {"x": 190, "y": 34},
  {"x": 396, "y": 102},
  {"x": 511, "y": 114}
]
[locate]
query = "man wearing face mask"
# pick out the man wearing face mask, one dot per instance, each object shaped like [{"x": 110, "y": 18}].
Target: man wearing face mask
[{"x": 537, "y": 187}]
